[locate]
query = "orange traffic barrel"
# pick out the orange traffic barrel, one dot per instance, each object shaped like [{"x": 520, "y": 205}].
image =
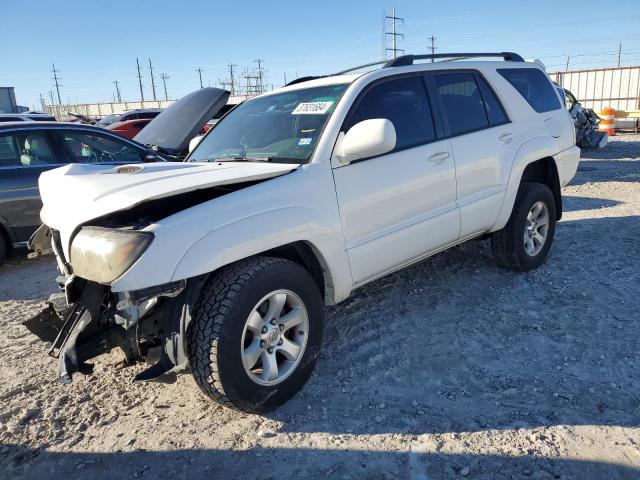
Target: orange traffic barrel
[{"x": 607, "y": 124}]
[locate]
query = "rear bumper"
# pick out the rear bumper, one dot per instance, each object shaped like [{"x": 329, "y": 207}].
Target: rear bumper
[{"x": 567, "y": 164}]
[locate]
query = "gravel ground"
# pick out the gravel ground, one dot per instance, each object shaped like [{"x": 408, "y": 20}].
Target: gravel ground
[{"x": 452, "y": 368}]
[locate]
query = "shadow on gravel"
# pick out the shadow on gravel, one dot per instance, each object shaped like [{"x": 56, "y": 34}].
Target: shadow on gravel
[
  {"x": 593, "y": 171},
  {"x": 276, "y": 463},
  {"x": 574, "y": 204},
  {"x": 457, "y": 345}
]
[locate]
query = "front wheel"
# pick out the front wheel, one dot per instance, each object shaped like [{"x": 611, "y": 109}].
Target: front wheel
[
  {"x": 256, "y": 333},
  {"x": 524, "y": 243}
]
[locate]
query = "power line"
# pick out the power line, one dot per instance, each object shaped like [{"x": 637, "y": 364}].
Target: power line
[
  {"x": 153, "y": 83},
  {"x": 164, "y": 78},
  {"x": 57, "y": 84},
  {"x": 140, "y": 80},
  {"x": 118, "y": 90},
  {"x": 394, "y": 34},
  {"x": 199, "y": 70}
]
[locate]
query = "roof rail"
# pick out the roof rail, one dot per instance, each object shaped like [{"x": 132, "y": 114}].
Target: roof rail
[{"x": 409, "y": 59}]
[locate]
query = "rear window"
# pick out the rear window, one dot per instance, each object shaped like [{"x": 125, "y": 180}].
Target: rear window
[{"x": 534, "y": 86}]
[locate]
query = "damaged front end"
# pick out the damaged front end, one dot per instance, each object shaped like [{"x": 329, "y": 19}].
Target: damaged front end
[{"x": 86, "y": 319}]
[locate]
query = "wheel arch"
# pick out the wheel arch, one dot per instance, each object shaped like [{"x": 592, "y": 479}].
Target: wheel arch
[{"x": 533, "y": 162}]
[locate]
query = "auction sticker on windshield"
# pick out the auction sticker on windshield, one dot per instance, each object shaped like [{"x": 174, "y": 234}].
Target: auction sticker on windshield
[{"x": 312, "y": 108}]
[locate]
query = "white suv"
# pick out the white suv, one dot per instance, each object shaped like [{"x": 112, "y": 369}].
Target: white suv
[{"x": 223, "y": 264}]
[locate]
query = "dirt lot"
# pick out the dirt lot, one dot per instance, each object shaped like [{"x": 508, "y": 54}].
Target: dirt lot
[{"x": 449, "y": 369}]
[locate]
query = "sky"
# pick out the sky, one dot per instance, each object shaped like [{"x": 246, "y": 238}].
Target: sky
[{"x": 94, "y": 43}]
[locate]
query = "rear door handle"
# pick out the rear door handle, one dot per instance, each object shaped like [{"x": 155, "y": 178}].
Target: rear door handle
[
  {"x": 506, "y": 137},
  {"x": 438, "y": 158}
]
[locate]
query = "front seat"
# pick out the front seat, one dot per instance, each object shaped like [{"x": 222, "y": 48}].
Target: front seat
[{"x": 36, "y": 152}]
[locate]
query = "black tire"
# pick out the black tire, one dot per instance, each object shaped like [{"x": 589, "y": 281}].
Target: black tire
[
  {"x": 507, "y": 245},
  {"x": 3, "y": 248},
  {"x": 215, "y": 333}
]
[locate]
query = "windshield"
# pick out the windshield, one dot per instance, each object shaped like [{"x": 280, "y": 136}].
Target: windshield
[
  {"x": 109, "y": 119},
  {"x": 283, "y": 127}
]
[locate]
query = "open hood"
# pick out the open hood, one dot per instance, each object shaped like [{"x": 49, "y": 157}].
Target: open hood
[
  {"x": 74, "y": 194},
  {"x": 173, "y": 129}
]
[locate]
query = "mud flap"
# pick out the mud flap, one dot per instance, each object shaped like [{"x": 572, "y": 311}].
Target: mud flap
[{"x": 175, "y": 318}]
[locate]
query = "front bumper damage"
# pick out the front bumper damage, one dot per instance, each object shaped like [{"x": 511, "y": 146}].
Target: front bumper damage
[{"x": 87, "y": 319}]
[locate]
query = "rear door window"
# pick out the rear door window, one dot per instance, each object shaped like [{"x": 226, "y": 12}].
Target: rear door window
[
  {"x": 35, "y": 149},
  {"x": 534, "y": 86},
  {"x": 492, "y": 105},
  {"x": 9, "y": 156},
  {"x": 95, "y": 148},
  {"x": 404, "y": 102},
  {"x": 461, "y": 102}
]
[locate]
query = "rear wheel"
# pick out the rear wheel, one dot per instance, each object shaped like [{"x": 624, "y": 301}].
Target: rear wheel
[
  {"x": 524, "y": 243},
  {"x": 256, "y": 333}
]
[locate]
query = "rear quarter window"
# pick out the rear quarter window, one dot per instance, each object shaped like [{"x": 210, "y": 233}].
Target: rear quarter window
[{"x": 534, "y": 86}]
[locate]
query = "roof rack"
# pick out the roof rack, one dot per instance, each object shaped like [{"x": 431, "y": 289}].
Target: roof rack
[
  {"x": 405, "y": 60},
  {"x": 409, "y": 59}
]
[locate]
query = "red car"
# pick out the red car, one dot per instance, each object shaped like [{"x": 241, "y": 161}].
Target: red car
[{"x": 129, "y": 128}]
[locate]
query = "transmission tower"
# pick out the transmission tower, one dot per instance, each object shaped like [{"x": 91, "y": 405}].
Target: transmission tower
[{"x": 394, "y": 32}]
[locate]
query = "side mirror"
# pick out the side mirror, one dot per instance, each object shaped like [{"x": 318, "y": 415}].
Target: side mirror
[
  {"x": 194, "y": 142},
  {"x": 368, "y": 138}
]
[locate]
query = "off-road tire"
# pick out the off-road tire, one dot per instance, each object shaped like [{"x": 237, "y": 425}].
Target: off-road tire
[
  {"x": 214, "y": 335},
  {"x": 507, "y": 245},
  {"x": 3, "y": 248}
]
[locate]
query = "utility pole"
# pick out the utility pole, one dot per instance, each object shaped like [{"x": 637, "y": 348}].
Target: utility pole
[
  {"x": 433, "y": 45},
  {"x": 153, "y": 83},
  {"x": 394, "y": 34},
  {"x": 285, "y": 77},
  {"x": 140, "y": 80},
  {"x": 619, "y": 52},
  {"x": 199, "y": 70},
  {"x": 566, "y": 68},
  {"x": 118, "y": 90},
  {"x": 56, "y": 79},
  {"x": 164, "y": 77},
  {"x": 42, "y": 102},
  {"x": 232, "y": 81}
]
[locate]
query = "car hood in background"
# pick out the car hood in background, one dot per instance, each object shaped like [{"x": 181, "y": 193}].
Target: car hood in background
[
  {"x": 76, "y": 193},
  {"x": 173, "y": 129}
]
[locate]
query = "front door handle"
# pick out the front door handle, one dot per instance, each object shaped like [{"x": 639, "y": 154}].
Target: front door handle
[
  {"x": 506, "y": 137},
  {"x": 438, "y": 158}
]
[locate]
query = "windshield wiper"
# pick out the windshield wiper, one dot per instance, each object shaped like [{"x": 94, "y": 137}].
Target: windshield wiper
[{"x": 240, "y": 158}]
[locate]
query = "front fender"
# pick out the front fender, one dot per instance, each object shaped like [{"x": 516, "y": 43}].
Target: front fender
[
  {"x": 530, "y": 151},
  {"x": 264, "y": 231}
]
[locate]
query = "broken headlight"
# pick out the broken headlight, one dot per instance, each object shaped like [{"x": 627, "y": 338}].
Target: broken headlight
[{"x": 103, "y": 254}]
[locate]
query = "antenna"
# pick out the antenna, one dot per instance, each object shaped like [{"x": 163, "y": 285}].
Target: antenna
[
  {"x": 199, "y": 70},
  {"x": 393, "y": 33},
  {"x": 118, "y": 90},
  {"x": 153, "y": 84},
  {"x": 140, "y": 80},
  {"x": 56, "y": 79},
  {"x": 164, "y": 78}
]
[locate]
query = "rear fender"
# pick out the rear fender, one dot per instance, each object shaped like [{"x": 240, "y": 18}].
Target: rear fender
[{"x": 530, "y": 151}]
